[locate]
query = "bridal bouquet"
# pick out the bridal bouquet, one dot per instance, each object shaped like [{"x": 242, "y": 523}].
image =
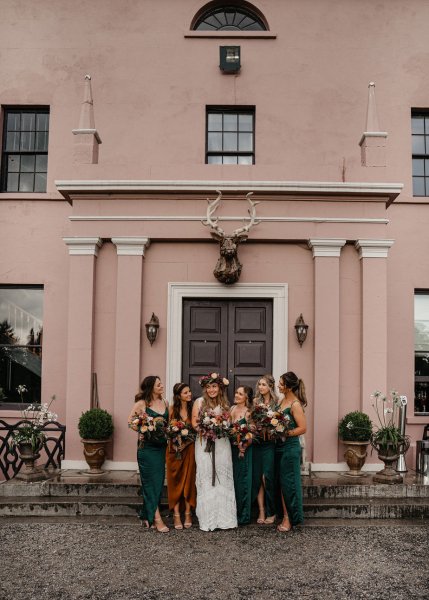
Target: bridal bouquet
[
  {"x": 150, "y": 429},
  {"x": 180, "y": 434},
  {"x": 270, "y": 424},
  {"x": 241, "y": 435},
  {"x": 212, "y": 426}
]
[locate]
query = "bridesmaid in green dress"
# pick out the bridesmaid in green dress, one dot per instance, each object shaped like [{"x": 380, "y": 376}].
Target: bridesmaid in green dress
[
  {"x": 263, "y": 457},
  {"x": 288, "y": 452},
  {"x": 242, "y": 462},
  {"x": 151, "y": 454}
]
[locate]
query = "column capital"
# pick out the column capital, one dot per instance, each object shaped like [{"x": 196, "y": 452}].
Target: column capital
[
  {"x": 326, "y": 247},
  {"x": 373, "y": 248},
  {"x": 131, "y": 246},
  {"x": 83, "y": 246}
]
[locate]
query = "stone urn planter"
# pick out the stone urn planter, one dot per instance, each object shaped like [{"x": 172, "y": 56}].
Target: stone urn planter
[
  {"x": 354, "y": 431},
  {"x": 95, "y": 429},
  {"x": 389, "y": 454},
  {"x": 355, "y": 456}
]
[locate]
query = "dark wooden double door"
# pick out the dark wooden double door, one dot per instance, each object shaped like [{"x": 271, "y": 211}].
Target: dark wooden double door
[{"x": 230, "y": 337}]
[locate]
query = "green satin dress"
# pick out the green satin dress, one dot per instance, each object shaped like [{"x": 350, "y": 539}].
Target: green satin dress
[
  {"x": 263, "y": 470},
  {"x": 151, "y": 461},
  {"x": 242, "y": 472},
  {"x": 288, "y": 475}
]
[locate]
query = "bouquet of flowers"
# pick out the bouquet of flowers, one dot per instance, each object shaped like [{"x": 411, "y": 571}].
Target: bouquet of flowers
[
  {"x": 35, "y": 417},
  {"x": 212, "y": 426},
  {"x": 150, "y": 429},
  {"x": 241, "y": 435},
  {"x": 180, "y": 434},
  {"x": 270, "y": 424}
]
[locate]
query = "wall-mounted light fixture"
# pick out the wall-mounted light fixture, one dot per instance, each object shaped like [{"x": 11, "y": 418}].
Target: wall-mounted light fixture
[
  {"x": 301, "y": 329},
  {"x": 152, "y": 328},
  {"x": 229, "y": 59}
]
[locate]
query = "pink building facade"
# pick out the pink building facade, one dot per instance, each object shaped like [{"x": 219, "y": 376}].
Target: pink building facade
[{"x": 102, "y": 203}]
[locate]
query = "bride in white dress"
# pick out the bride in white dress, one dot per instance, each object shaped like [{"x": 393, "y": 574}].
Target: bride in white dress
[{"x": 216, "y": 507}]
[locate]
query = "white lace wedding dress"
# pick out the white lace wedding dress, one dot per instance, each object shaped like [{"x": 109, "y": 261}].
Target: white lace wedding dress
[{"x": 216, "y": 507}]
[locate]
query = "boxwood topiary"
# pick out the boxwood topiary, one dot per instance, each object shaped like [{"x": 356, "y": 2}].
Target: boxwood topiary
[
  {"x": 95, "y": 424},
  {"x": 355, "y": 427}
]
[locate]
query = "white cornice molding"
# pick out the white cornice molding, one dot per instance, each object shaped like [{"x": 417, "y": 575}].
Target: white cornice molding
[
  {"x": 93, "y": 132},
  {"x": 314, "y": 188},
  {"x": 202, "y": 218},
  {"x": 131, "y": 246},
  {"x": 326, "y": 247},
  {"x": 83, "y": 246},
  {"x": 373, "y": 248}
]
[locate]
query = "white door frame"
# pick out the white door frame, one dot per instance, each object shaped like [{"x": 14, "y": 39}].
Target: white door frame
[{"x": 278, "y": 292}]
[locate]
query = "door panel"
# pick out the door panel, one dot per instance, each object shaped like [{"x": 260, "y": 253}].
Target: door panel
[{"x": 231, "y": 337}]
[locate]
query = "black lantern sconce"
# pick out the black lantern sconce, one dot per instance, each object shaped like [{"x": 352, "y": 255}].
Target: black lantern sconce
[
  {"x": 229, "y": 59},
  {"x": 152, "y": 328},
  {"x": 301, "y": 329}
]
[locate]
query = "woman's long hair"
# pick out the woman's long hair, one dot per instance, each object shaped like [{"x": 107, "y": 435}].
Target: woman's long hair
[
  {"x": 294, "y": 383},
  {"x": 177, "y": 402},
  {"x": 146, "y": 389},
  {"x": 220, "y": 400},
  {"x": 249, "y": 395},
  {"x": 271, "y": 382}
]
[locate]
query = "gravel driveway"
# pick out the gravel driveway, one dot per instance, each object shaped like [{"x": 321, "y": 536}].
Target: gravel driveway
[{"x": 120, "y": 561}]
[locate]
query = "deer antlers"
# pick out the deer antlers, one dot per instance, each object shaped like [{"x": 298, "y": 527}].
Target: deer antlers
[{"x": 241, "y": 232}]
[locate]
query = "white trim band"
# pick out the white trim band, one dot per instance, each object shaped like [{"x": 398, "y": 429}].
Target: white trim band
[
  {"x": 373, "y": 248},
  {"x": 93, "y": 132},
  {"x": 202, "y": 218},
  {"x": 131, "y": 246},
  {"x": 108, "y": 465},
  {"x": 83, "y": 246}
]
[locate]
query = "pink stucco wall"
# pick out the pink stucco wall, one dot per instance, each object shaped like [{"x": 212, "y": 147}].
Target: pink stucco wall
[{"x": 151, "y": 84}]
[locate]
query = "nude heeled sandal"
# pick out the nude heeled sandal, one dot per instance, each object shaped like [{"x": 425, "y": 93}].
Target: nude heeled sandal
[{"x": 187, "y": 524}]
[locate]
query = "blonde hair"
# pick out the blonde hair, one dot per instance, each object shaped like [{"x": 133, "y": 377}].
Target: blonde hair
[
  {"x": 211, "y": 403},
  {"x": 271, "y": 382}
]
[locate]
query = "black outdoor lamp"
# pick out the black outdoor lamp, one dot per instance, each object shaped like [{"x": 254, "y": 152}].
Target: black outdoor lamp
[
  {"x": 152, "y": 328},
  {"x": 230, "y": 59},
  {"x": 301, "y": 329}
]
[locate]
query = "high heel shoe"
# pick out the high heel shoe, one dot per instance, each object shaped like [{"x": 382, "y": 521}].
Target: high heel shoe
[
  {"x": 284, "y": 529},
  {"x": 188, "y": 523},
  {"x": 164, "y": 529},
  {"x": 177, "y": 521},
  {"x": 270, "y": 520}
]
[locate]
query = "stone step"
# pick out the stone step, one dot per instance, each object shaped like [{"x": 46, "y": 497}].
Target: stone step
[
  {"x": 363, "y": 490},
  {"x": 336, "y": 508}
]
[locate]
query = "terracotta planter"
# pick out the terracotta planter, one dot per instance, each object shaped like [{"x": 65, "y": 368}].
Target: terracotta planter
[
  {"x": 95, "y": 454},
  {"x": 355, "y": 456}
]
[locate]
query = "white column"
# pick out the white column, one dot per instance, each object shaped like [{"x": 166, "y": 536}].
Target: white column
[
  {"x": 130, "y": 251},
  {"x": 373, "y": 255},
  {"x": 80, "y": 339},
  {"x": 326, "y": 254}
]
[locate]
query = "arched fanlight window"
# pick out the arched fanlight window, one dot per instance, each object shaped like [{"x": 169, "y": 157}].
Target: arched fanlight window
[{"x": 229, "y": 17}]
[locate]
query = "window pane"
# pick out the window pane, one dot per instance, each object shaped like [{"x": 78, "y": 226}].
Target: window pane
[
  {"x": 245, "y": 160},
  {"x": 12, "y": 182},
  {"x": 27, "y": 163},
  {"x": 28, "y": 122},
  {"x": 42, "y": 163},
  {"x": 40, "y": 182},
  {"x": 214, "y": 142},
  {"x": 230, "y": 160},
  {"x": 418, "y": 144},
  {"x": 12, "y": 142},
  {"x": 230, "y": 122},
  {"x": 42, "y": 122},
  {"x": 418, "y": 166},
  {"x": 230, "y": 142},
  {"x": 13, "y": 163},
  {"x": 418, "y": 125},
  {"x": 42, "y": 141},
  {"x": 22, "y": 308},
  {"x": 13, "y": 122},
  {"x": 214, "y": 160},
  {"x": 27, "y": 141},
  {"x": 245, "y": 122},
  {"x": 418, "y": 186},
  {"x": 245, "y": 142},
  {"x": 215, "y": 122},
  {"x": 26, "y": 182}
]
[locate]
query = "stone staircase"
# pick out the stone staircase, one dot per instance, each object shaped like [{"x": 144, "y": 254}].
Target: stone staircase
[{"x": 116, "y": 494}]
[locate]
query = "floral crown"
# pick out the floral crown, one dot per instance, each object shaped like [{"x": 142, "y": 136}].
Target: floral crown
[{"x": 213, "y": 378}]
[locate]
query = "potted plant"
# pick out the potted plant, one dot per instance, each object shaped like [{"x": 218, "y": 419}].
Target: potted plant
[
  {"x": 386, "y": 437},
  {"x": 95, "y": 429},
  {"x": 354, "y": 430}
]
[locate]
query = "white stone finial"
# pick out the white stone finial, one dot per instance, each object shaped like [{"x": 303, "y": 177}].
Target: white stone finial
[
  {"x": 88, "y": 76},
  {"x": 371, "y": 113},
  {"x": 87, "y": 110}
]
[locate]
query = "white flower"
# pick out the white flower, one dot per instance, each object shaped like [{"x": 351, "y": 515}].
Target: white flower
[
  {"x": 388, "y": 411},
  {"x": 270, "y": 413},
  {"x": 225, "y": 423},
  {"x": 206, "y": 420},
  {"x": 185, "y": 432},
  {"x": 349, "y": 425}
]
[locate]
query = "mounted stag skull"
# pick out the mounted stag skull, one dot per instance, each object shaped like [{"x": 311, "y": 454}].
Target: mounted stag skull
[{"x": 228, "y": 267}]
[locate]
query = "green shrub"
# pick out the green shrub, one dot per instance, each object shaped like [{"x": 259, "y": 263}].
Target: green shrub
[
  {"x": 355, "y": 427},
  {"x": 95, "y": 424}
]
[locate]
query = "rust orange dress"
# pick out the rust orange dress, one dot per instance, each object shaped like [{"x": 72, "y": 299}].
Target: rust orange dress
[{"x": 181, "y": 475}]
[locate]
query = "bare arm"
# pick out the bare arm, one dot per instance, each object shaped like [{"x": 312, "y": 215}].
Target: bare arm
[
  {"x": 138, "y": 408},
  {"x": 195, "y": 412},
  {"x": 300, "y": 420}
]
